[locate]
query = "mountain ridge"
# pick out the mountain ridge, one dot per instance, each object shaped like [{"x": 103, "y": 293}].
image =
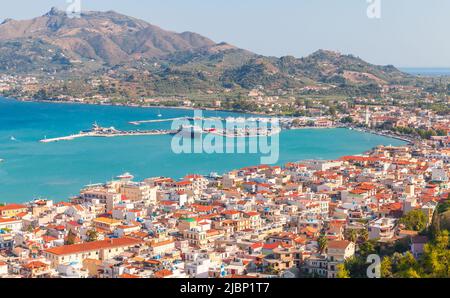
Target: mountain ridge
[{"x": 105, "y": 42}]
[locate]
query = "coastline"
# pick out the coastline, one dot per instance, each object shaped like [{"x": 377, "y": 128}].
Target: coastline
[
  {"x": 221, "y": 171},
  {"x": 407, "y": 139},
  {"x": 138, "y": 106}
]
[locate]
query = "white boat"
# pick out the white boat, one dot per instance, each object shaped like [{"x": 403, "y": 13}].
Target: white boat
[
  {"x": 159, "y": 114},
  {"x": 125, "y": 176},
  {"x": 13, "y": 138}
]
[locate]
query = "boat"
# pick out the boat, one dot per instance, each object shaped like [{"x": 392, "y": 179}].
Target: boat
[
  {"x": 159, "y": 114},
  {"x": 125, "y": 176},
  {"x": 13, "y": 138}
]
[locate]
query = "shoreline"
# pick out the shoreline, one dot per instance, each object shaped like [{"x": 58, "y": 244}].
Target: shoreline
[
  {"x": 408, "y": 142},
  {"x": 407, "y": 139},
  {"x": 137, "y": 106}
]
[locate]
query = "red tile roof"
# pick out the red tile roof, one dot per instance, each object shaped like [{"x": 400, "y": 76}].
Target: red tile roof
[{"x": 90, "y": 246}]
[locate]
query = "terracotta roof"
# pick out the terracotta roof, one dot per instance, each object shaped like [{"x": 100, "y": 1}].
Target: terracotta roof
[
  {"x": 338, "y": 244},
  {"x": 35, "y": 264},
  {"x": 126, "y": 275},
  {"x": 12, "y": 207},
  {"x": 163, "y": 273},
  {"x": 6, "y": 220},
  {"x": 90, "y": 246}
]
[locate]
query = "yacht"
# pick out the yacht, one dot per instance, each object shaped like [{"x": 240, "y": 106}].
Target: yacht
[{"x": 125, "y": 176}]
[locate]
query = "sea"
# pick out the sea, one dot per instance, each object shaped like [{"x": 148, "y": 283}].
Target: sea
[
  {"x": 32, "y": 170},
  {"x": 427, "y": 72}
]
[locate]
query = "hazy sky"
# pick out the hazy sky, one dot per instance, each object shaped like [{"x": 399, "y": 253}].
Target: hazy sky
[{"x": 410, "y": 33}]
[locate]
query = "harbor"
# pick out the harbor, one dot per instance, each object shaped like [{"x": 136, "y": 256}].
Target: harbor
[
  {"x": 98, "y": 131},
  {"x": 225, "y": 119},
  {"x": 192, "y": 130}
]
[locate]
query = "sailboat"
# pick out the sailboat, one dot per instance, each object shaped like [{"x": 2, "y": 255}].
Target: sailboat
[{"x": 159, "y": 114}]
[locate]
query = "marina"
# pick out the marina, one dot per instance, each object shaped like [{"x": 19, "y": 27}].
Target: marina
[
  {"x": 109, "y": 132},
  {"x": 86, "y": 160},
  {"x": 98, "y": 131}
]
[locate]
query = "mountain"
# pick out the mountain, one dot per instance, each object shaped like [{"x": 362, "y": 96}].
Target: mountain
[
  {"x": 109, "y": 44},
  {"x": 108, "y": 37}
]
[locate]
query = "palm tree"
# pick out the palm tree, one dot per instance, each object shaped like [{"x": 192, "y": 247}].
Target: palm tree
[{"x": 322, "y": 243}]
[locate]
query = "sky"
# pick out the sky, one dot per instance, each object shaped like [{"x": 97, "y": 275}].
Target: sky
[{"x": 404, "y": 33}]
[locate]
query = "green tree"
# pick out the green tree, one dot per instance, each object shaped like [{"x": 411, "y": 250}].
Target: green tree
[
  {"x": 92, "y": 235},
  {"x": 322, "y": 243},
  {"x": 409, "y": 273},
  {"x": 386, "y": 267},
  {"x": 414, "y": 220},
  {"x": 342, "y": 271},
  {"x": 71, "y": 237},
  {"x": 351, "y": 235},
  {"x": 347, "y": 119},
  {"x": 367, "y": 248},
  {"x": 363, "y": 235}
]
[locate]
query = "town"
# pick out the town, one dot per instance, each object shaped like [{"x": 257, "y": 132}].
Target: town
[{"x": 310, "y": 218}]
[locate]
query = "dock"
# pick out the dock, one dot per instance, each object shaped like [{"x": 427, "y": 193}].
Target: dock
[
  {"x": 98, "y": 131},
  {"x": 110, "y": 132}
]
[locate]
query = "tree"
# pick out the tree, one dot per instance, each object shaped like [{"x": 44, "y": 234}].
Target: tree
[
  {"x": 386, "y": 267},
  {"x": 92, "y": 235},
  {"x": 342, "y": 272},
  {"x": 367, "y": 248},
  {"x": 71, "y": 237},
  {"x": 410, "y": 273},
  {"x": 407, "y": 266},
  {"x": 352, "y": 235},
  {"x": 364, "y": 235},
  {"x": 322, "y": 242},
  {"x": 414, "y": 220},
  {"x": 347, "y": 119}
]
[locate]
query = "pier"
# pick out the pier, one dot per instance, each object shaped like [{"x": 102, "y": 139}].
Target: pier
[{"x": 98, "y": 131}]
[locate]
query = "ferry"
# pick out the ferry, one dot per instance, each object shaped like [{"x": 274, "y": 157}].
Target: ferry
[{"x": 125, "y": 176}]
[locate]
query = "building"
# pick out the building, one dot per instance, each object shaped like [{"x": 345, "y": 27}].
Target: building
[
  {"x": 382, "y": 228},
  {"x": 337, "y": 252},
  {"x": 10, "y": 224},
  {"x": 12, "y": 210},
  {"x": 138, "y": 192},
  {"x": 107, "y": 224},
  {"x": 97, "y": 250}
]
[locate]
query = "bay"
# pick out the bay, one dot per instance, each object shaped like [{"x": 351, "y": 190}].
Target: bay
[{"x": 59, "y": 170}]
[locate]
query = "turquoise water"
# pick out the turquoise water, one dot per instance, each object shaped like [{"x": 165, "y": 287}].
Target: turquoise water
[{"x": 58, "y": 170}]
